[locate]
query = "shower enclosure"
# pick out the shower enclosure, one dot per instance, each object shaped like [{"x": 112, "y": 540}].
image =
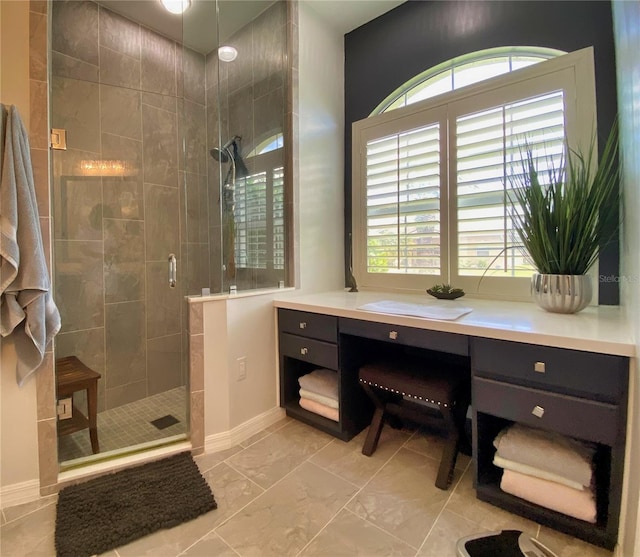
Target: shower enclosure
[{"x": 169, "y": 182}]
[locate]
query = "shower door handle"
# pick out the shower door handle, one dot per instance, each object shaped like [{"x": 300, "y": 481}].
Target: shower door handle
[{"x": 173, "y": 270}]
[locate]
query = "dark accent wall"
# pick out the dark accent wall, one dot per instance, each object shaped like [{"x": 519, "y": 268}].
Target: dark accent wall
[{"x": 383, "y": 54}]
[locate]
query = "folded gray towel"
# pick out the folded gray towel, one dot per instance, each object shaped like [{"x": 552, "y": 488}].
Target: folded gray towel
[
  {"x": 28, "y": 313},
  {"x": 547, "y": 451}
]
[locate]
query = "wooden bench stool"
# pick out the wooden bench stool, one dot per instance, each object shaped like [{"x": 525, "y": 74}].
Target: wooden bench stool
[
  {"x": 427, "y": 394},
  {"x": 73, "y": 376}
]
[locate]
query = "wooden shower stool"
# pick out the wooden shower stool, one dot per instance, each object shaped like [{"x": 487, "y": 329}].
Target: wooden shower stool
[{"x": 72, "y": 376}]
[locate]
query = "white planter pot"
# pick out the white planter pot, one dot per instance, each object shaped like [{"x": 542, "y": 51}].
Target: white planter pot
[{"x": 561, "y": 293}]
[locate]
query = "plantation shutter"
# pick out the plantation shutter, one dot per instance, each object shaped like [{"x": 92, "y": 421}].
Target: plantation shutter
[
  {"x": 278, "y": 218},
  {"x": 259, "y": 234},
  {"x": 490, "y": 145},
  {"x": 403, "y": 202},
  {"x": 251, "y": 221}
]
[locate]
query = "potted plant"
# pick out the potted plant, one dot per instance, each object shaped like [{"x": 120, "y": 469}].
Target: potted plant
[{"x": 563, "y": 217}]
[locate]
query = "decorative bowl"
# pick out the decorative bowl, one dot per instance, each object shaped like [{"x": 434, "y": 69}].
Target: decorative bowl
[{"x": 446, "y": 295}]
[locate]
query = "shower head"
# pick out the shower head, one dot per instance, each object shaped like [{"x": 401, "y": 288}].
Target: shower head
[
  {"x": 224, "y": 153},
  {"x": 218, "y": 154}
]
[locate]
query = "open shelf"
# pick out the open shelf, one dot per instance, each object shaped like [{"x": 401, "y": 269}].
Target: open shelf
[
  {"x": 294, "y": 410},
  {"x": 603, "y": 533}
]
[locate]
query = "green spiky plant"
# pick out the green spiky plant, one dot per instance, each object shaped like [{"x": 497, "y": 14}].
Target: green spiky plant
[{"x": 563, "y": 224}]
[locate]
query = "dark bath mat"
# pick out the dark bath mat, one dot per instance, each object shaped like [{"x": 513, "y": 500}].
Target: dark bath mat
[
  {"x": 113, "y": 510},
  {"x": 165, "y": 421}
]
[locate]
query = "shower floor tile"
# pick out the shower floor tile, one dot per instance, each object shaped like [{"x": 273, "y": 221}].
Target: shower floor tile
[{"x": 129, "y": 425}]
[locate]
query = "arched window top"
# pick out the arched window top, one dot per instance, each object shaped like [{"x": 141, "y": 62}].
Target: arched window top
[
  {"x": 464, "y": 70},
  {"x": 271, "y": 143}
]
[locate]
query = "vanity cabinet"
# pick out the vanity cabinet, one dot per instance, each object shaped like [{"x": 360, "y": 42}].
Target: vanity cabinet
[
  {"x": 580, "y": 390},
  {"x": 309, "y": 341},
  {"x": 579, "y": 394}
]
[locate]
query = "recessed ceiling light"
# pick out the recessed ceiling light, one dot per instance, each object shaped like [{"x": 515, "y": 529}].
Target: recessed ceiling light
[
  {"x": 227, "y": 53},
  {"x": 176, "y": 6}
]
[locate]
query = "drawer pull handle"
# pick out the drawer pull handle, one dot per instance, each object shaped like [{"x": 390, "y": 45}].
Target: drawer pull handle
[
  {"x": 303, "y": 325},
  {"x": 393, "y": 335},
  {"x": 538, "y": 411},
  {"x": 304, "y": 351},
  {"x": 539, "y": 367}
]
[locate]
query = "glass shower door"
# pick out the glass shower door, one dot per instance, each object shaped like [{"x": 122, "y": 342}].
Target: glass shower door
[{"x": 120, "y": 232}]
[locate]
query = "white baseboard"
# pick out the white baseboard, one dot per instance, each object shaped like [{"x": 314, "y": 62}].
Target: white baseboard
[
  {"x": 17, "y": 494},
  {"x": 227, "y": 439}
]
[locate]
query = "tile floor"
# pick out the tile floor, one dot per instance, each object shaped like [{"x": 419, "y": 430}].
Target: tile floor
[
  {"x": 129, "y": 425},
  {"x": 294, "y": 491}
]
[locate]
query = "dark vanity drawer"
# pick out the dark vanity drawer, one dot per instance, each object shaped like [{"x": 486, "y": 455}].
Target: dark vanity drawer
[
  {"x": 407, "y": 336},
  {"x": 584, "y": 419},
  {"x": 312, "y": 325},
  {"x": 597, "y": 376},
  {"x": 315, "y": 352}
]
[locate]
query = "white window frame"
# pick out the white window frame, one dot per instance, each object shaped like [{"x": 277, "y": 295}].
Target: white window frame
[{"x": 573, "y": 72}]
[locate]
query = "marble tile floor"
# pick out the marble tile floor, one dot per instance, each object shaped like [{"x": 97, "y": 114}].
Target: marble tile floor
[
  {"x": 292, "y": 490},
  {"x": 129, "y": 425}
]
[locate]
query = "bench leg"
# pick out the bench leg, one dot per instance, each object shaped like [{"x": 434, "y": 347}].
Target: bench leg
[
  {"x": 373, "y": 436},
  {"x": 448, "y": 462},
  {"x": 449, "y": 452},
  {"x": 92, "y": 408}
]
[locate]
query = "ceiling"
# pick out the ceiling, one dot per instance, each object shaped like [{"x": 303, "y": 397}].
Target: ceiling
[
  {"x": 347, "y": 15},
  {"x": 197, "y": 28}
]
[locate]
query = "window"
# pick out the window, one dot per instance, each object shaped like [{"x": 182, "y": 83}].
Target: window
[
  {"x": 272, "y": 143},
  {"x": 259, "y": 212},
  {"x": 431, "y": 180},
  {"x": 462, "y": 71}
]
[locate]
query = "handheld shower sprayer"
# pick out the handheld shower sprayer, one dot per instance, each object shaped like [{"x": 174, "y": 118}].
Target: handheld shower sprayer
[{"x": 230, "y": 152}]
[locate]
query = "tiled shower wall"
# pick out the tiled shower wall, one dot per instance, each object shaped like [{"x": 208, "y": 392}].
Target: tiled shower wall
[
  {"x": 126, "y": 93},
  {"x": 252, "y": 98}
]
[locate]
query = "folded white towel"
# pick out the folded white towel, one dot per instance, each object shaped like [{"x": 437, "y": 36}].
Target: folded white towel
[
  {"x": 327, "y": 401},
  {"x": 548, "y": 451},
  {"x": 535, "y": 472},
  {"x": 27, "y": 311},
  {"x": 431, "y": 310},
  {"x": 579, "y": 504},
  {"x": 320, "y": 409},
  {"x": 321, "y": 381}
]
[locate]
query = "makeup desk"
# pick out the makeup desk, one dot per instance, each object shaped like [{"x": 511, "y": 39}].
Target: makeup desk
[{"x": 562, "y": 373}]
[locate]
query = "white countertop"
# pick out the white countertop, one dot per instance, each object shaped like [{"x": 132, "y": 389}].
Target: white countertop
[{"x": 601, "y": 329}]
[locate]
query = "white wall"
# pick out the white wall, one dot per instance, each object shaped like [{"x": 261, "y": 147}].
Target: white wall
[
  {"x": 627, "y": 35},
  {"x": 18, "y": 411},
  {"x": 321, "y": 188},
  {"x": 252, "y": 336},
  {"x": 238, "y": 327}
]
